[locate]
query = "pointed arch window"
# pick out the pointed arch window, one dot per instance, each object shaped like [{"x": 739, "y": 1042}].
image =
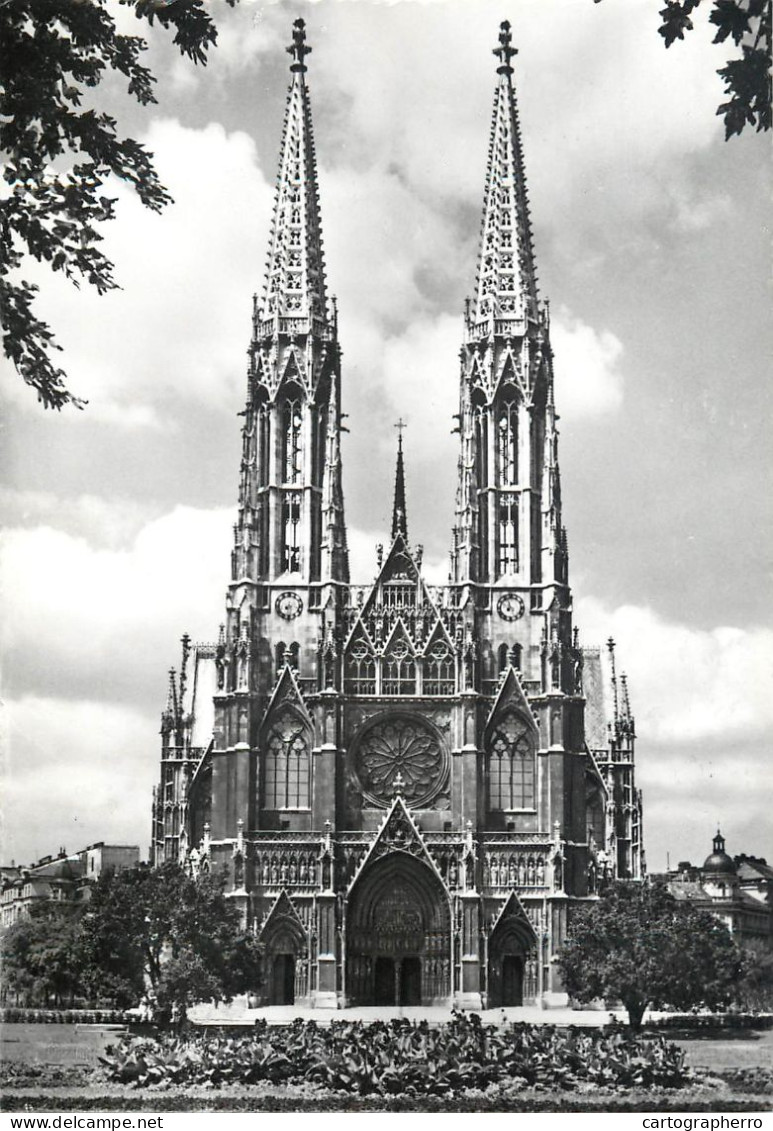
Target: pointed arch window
[
  {"x": 507, "y": 444},
  {"x": 398, "y": 669},
  {"x": 292, "y": 446},
  {"x": 439, "y": 670},
  {"x": 291, "y": 521},
  {"x": 479, "y": 427},
  {"x": 509, "y": 654},
  {"x": 360, "y": 670},
  {"x": 508, "y": 534},
  {"x": 511, "y": 765},
  {"x": 287, "y": 765}
]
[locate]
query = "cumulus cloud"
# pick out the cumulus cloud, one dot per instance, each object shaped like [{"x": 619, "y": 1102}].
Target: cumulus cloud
[
  {"x": 108, "y": 619},
  {"x": 589, "y": 381},
  {"x": 688, "y": 684},
  {"x": 186, "y": 277},
  {"x": 111, "y": 523}
]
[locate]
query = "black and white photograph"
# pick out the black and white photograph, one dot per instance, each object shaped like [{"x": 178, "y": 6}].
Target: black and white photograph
[{"x": 386, "y": 492}]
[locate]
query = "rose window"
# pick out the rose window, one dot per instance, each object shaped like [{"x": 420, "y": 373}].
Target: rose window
[{"x": 402, "y": 750}]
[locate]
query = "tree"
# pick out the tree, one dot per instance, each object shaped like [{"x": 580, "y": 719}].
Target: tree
[
  {"x": 162, "y": 928},
  {"x": 638, "y": 945},
  {"x": 747, "y": 77},
  {"x": 755, "y": 987},
  {"x": 40, "y": 957},
  {"x": 53, "y": 55}
]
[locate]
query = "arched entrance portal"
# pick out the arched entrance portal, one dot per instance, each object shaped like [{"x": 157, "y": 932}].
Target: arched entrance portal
[
  {"x": 286, "y": 954},
  {"x": 512, "y": 962},
  {"x": 398, "y": 935}
]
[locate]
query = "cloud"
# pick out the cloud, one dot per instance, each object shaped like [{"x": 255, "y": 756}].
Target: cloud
[
  {"x": 109, "y": 523},
  {"x": 79, "y": 771},
  {"x": 688, "y": 685},
  {"x": 186, "y": 275},
  {"x": 109, "y": 619},
  {"x": 588, "y": 378}
]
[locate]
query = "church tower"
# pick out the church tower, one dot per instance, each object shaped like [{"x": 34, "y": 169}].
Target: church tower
[{"x": 407, "y": 786}]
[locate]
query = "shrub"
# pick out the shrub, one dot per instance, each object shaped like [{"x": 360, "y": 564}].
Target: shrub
[
  {"x": 389, "y": 1058},
  {"x": 708, "y": 1021}
]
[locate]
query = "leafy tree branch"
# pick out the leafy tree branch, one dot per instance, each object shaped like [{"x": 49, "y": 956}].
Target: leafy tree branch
[{"x": 53, "y": 54}]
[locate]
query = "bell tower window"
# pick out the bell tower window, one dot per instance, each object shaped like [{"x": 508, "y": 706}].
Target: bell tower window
[
  {"x": 508, "y": 534},
  {"x": 291, "y": 521},
  {"x": 507, "y": 444},
  {"x": 292, "y": 424}
]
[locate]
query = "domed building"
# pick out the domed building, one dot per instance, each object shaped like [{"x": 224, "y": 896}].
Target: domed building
[{"x": 738, "y": 891}]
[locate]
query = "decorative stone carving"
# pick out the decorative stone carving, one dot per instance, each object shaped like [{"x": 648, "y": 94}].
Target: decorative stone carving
[{"x": 404, "y": 745}]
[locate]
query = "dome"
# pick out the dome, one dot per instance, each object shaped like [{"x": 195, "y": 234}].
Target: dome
[{"x": 719, "y": 861}]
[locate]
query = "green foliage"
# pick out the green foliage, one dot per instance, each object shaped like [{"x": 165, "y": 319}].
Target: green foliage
[
  {"x": 41, "y": 957},
  {"x": 639, "y": 946},
  {"x": 59, "y": 153},
  {"x": 755, "y": 985},
  {"x": 400, "y": 1058},
  {"x": 747, "y": 77},
  {"x": 159, "y": 925}
]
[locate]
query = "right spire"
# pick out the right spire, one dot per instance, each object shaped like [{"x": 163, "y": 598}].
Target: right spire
[{"x": 506, "y": 283}]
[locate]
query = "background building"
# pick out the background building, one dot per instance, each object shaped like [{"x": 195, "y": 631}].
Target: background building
[
  {"x": 737, "y": 890},
  {"x": 408, "y": 786},
  {"x": 64, "y": 878}
]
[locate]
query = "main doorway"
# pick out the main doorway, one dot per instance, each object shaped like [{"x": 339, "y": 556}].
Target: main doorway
[
  {"x": 397, "y": 981},
  {"x": 398, "y": 935}
]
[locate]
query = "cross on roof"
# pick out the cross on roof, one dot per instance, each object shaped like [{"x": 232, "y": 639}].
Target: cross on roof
[
  {"x": 299, "y": 48},
  {"x": 400, "y": 426},
  {"x": 505, "y": 51}
]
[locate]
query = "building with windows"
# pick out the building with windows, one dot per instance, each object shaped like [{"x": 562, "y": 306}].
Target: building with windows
[
  {"x": 407, "y": 785},
  {"x": 737, "y": 890},
  {"x": 62, "y": 879}
]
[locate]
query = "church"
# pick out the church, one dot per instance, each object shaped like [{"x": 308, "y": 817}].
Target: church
[{"x": 407, "y": 786}]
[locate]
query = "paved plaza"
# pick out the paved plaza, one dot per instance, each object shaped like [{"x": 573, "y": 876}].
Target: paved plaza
[{"x": 238, "y": 1012}]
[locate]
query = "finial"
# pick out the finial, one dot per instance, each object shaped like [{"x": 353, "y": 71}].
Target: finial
[
  {"x": 299, "y": 48},
  {"x": 398, "y": 784},
  {"x": 399, "y": 515},
  {"x": 505, "y": 51}
]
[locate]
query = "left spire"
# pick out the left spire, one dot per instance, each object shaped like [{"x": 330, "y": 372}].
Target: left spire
[{"x": 295, "y": 274}]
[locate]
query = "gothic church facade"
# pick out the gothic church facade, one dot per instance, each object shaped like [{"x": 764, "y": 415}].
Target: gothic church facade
[{"x": 408, "y": 786}]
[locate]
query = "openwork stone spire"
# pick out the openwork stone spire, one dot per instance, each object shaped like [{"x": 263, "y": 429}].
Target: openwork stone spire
[
  {"x": 506, "y": 285},
  {"x": 399, "y": 512},
  {"x": 295, "y": 279}
]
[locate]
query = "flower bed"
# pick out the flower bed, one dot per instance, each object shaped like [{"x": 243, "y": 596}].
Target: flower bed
[{"x": 402, "y": 1058}]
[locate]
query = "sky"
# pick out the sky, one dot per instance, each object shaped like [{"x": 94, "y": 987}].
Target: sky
[{"x": 652, "y": 239}]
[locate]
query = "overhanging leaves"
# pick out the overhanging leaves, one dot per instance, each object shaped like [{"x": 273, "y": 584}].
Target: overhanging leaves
[{"x": 52, "y": 52}]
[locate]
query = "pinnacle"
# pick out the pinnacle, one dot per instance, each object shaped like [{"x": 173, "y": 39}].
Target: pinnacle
[
  {"x": 295, "y": 272},
  {"x": 399, "y": 513},
  {"x": 506, "y": 286}
]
